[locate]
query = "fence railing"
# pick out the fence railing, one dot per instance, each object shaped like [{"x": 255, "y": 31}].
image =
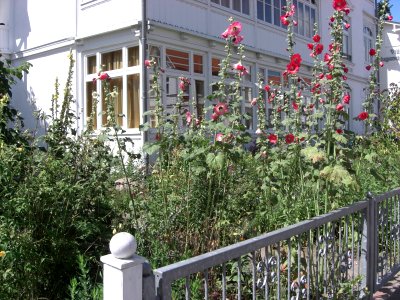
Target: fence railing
[{"x": 345, "y": 254}]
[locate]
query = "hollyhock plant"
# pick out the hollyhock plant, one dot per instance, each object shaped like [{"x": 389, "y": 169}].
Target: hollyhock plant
[
  {"x": 188, "y": 118},
  {"x": 339, "y": 131},
  {"x": 103, "y": 76},
  {"x": 372, "y": 51},
  {"x": 220, "y": 109},
  {"x": 296, "y": 59},
  {"x": 339, "y": 107},
  {"x": 214, "y": 117},
  {"x": 310, "y": 46},
  {"x": 318, "y": 49},
  {"x": 147, "y": 63},
  {"x": 292, "y": 68},
  {"x": 233, "y": 29},
  {"x": 346, "y": 99},
  {"x": 267, "y": 88},
  {"x": 363, "y": 116},
  {"x": 316, "y": 38},
  {"x": 381, "y": 64}
]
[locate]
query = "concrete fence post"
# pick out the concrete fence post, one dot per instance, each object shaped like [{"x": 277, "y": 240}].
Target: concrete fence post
[{"x": 122, "y": 269}]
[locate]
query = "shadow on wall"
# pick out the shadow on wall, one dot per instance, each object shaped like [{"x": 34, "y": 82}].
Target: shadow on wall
[{"x": 22, "y": 25}]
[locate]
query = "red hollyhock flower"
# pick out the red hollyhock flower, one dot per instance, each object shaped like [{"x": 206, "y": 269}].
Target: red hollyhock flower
[
  {"x": 346, "y": 99},
  {"x": 310, "y": 46},
  {"x": 316, "y": 38},
  {"x": 321, "y": 75},
  {"x": 292, "y": 68},
  {"x": 242, "y": 69},
  {"x": 339, "y": 107},
  {"x": 214, "y": 117},
  {"x": 103, "y": 76},
  {"x": 345, "y": 69},
  {"x": 372, "y": 51},
  {"x": 368, "y": 67},
  {"x": 285, "y": 20},
  {"x": 295, "y": 106},
  {"x": 329, "y": 76},
  {"x": 296, "y": 59},
  {"x": 339, "y": 131},
  {"x": 273, "y": 138},
  {"x": 289, "y": 138},
  {"x": 389, "y": 18},
  {"x": 267, "y": 88},
  {"x": 339, "y": 5},
  {"x": 318, "y": 49},
  {"x": 347, "y": 25},
  {"x": 327, "y": 57},
  {"x": 221, "y": 108},
  {"x": 363, "y": 116}
]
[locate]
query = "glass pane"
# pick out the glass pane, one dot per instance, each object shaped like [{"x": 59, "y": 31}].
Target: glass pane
[
  {"x": 215, "y": 1},
  {"x": 91, "y": 65},
  {"x": 307, "y": 30},
  {"x": 133, "y": 110},
  {"x": 274, "y": 77},
  {"x": 116, "y": 83},
  {"x": 260, "y": 10},
  {"x": 247, "y": 77},
  {"x": 296, "y": 16},
  {"x": 215, "y": 66},
  {"x": 90, "y": 102},
  {"x": 133, "y": 56},
  {"x": 198, "y": 63},
  {"x": 236, "y": 5},
  {"x": 177, "y": 60},
  {"x": 277, "y": 13},
  {"x": 246, "y": 7},
  {"x": 268, "y": 13},
  {"x": 111, "y": 60},
  {"x": 301, "y": 19},
  {"x": 312, "y": 20},
  {"x": 225, "y": 3},
  {"x": 199, "y": 94}
]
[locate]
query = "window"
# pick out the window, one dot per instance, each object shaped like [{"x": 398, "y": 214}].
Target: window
[
  {"x": 123, "y": 66},
  {"x": 346, "y": 43},
  {"x": 242, "y": 6},
  {"x": 215, "y": 66},
  {"x": 270, "y": 11},
  {"x": 368, "y": 44},
  {"x": 177, "y": 60}
]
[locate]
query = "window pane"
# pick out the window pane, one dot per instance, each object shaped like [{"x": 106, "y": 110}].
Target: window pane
[
  {"x": 133, "y": 56},
  {"x": 91, "y": 65},
  {"x": 199, "y": 94},
  {"x": 260, "y": 10},
  {"x": 312, "y": 20},
  {"x": 225, "y": 3},
  {"x": 277, "y": 12},
  {"x": 215, "y": 1},
  {"x": 116, "y": 83},
  {"x": 301, "y": 19},
  {"x": 307, "y": 30},
  {"x": 133, "y": 120},
  {"x": 248, "y": 108},
  {"x": 236, "y": 5},
  {"x": 177, "y": 60},
  {"x": 111, "y": 60},
  {"x": 246, "y": 7},
  {"x": 198, "y": 63},
  {"x": 215, "y": 66},
  {"x": 90, "y": 102},
  {"x": 268, "y": 13},
  {"x": 296, "y": 16},
  {"x": 274, "y": 77}
]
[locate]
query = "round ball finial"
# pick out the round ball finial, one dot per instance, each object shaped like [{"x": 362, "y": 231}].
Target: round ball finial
[{"x": 123, "y": 245}]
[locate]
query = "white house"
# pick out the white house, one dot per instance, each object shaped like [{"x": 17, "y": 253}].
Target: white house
[
  {"x": 390, "y": 54},
  {"x": 184, "y": 35}
]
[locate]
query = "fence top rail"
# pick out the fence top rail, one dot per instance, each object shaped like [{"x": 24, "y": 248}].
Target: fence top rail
[
  {"x": 217, "y": 257},
  {"x": 387, "y": 195}
]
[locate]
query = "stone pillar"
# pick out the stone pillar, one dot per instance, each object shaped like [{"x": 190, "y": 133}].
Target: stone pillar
[{"x": 122, "y": 269}]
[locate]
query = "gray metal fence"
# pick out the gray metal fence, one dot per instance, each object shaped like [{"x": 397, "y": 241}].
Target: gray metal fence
[{"x": 345, "y": 254}]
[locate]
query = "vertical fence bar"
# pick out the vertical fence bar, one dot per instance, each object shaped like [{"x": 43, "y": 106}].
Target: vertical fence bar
[
  {"x": 309, "y": 261},
  {"x": 206, "y": 284},
  {"x": 223, "y": 281},
  {"x": 187, "y": 287},
  {"x": 288, "y": 267},
  {"x": 279, "y": 271},
  {"x": 254, "y": 277},
  {"x": 239, "y": 281}
]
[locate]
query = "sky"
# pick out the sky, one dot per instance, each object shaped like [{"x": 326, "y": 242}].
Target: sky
[{"x": 395, "y": 10}]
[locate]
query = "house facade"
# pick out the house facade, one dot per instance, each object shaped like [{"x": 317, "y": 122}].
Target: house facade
[
  {"x": 182, "y": 35},
  {"x": 390, "y": 55}
]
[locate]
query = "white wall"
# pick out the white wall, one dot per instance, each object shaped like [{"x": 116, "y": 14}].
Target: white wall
[{"x": 391, "y": 55}]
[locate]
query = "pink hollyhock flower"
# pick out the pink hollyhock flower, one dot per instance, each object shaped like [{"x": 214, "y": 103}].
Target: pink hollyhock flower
[
  {"x": 267, "y": 88},
  {"x": 233, "y": 29},
  {"x": 327, "y": 57},
  {"x": 311, "y": 106},
  {"x": 321, "y": 101},
  {"x": 316, "y": 38},
  {"x": 344, "y": 77},
  {"x": 363, "y": 116},
  {"x": 346, "y": 99},
  {"x": 347, "y": 25},
  {"x": 214, "y": 117},
  {"x": 372, "y": 51},
  {"x": 346, "y": 70},
  {"x": 182, "y": 86},
  {"x": 219, "y": 137},
  {"x": 103, "y": 76},
  {"x": 310, "y": 46},
  {"x": 295, "y": 23},
  {"x": 188, "y": 118},
  {"x": 295, "y": 106},
  {"x": 237, "y": 39},
  {"x": 318, "y": 49},
  {"x": 285, "y": 20},
  {"x": 253, "y": 102},
  {"x": 242, "y": 69},
  {"x": 198, "y": 122},
  {"x": 289, "y": 138},
  {"x": 389, "y": 18},
  {"x": 147, "y": 63},
  {"x": 321, "y": 76},
  {"x": 339, "y": 131},
  {"x": 339, "y": 5},
  {"x": 339, "y": 107},
  {"x": 368, "y": 67},
  {"x": 273, "y": 138},
  {"x": 221, "y": 108},
  {"x": 292, "y": 68},
  {"x": 381, "y": 64},
  {"x": 329, "y": 76}
]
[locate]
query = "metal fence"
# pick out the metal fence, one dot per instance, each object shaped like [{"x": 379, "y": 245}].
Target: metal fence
[{"x": 345, "y": 254}]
